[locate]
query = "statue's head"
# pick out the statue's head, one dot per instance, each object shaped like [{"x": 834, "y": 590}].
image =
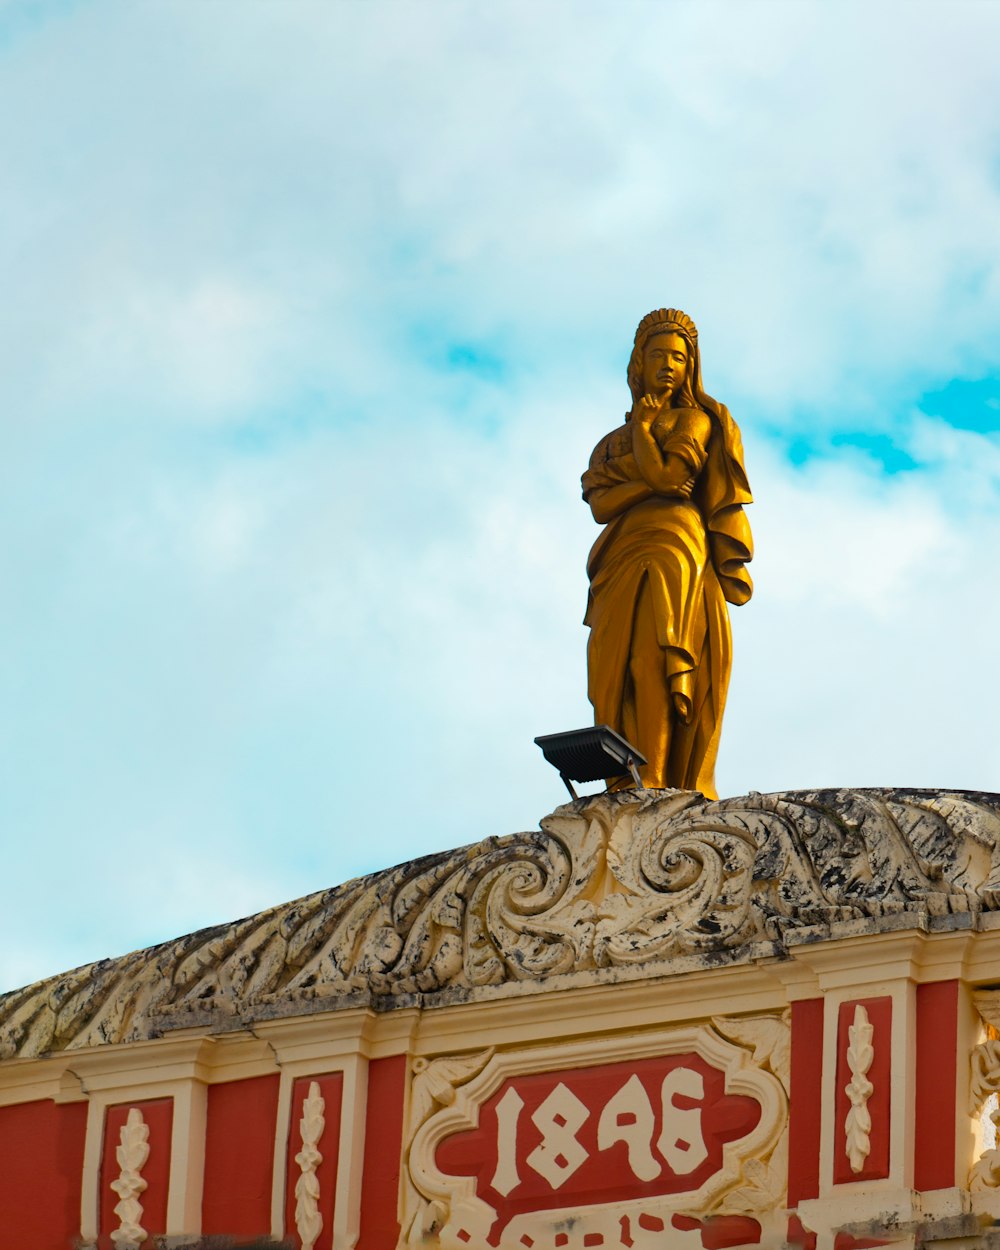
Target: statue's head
[{"x": 664, "y": 360}]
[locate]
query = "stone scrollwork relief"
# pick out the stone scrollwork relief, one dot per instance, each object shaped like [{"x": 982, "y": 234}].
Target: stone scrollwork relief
[
  {"x": 435, "y": 1085},
  {"x": 760, "y": 1188},
  {"x": 131, "y": 1155},
  {"x": 768, "y": 1038},
  {"x": 858, "y": 1122},
  {"x": 535, "y": 1148},
  {"x": 614, "y": 886}
]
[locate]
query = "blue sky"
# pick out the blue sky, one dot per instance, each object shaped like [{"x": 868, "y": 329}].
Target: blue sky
[{"x": 312, "y": 315}]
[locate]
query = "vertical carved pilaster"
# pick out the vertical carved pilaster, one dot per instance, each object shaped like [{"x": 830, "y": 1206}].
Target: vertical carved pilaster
[
  {"x": 860, "y": 1053},
  {"x": 132, "y": 1153},
  {"x": 308, "y": 1219}
]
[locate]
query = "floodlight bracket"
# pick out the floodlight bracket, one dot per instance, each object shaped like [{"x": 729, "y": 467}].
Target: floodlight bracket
[{"x": 592, "y": 754}]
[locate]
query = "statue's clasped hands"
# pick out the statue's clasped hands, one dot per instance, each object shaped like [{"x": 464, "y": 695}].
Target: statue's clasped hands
[{"x": 685, "y": 488}]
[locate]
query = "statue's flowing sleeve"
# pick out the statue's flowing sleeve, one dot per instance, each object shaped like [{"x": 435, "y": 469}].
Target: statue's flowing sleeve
[
  {"x": 723, "y": 490},
  {"x": 602, "y": 471}
]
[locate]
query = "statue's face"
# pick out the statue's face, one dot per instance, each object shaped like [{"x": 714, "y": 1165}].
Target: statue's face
[{"x": 664, "y": 364}]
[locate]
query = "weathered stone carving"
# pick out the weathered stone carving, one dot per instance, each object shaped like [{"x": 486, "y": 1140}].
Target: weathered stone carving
[
  {"x": 860, "y": 1056},
  {"x": 613, "y": 887},
  {"x": 985, "y": 1172},
  {"x": 985, "y": 1079}
]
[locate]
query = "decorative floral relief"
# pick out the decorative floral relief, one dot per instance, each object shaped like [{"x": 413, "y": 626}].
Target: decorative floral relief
[
  {"x": 308, "y": 1218},
  {"x": 860, "y": 1054},
  {"x": 131, "y": 1155},
  {"x": 625, "y": 881}
]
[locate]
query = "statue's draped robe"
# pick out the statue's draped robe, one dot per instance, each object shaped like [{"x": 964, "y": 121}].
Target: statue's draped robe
[{"x": 681, "y": 560}]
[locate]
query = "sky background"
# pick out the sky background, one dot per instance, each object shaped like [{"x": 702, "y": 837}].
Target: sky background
[{"x": 311, "y": 316}]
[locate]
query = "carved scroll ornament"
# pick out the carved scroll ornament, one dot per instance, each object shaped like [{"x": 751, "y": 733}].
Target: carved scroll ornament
[{"x": 624, "y": 885}]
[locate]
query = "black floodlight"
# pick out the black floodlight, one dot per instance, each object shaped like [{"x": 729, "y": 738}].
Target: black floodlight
[{"x": 591, "y": 755}]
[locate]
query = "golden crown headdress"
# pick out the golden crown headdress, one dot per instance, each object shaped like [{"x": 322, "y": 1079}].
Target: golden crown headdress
[{"x": 663, "y": 320}]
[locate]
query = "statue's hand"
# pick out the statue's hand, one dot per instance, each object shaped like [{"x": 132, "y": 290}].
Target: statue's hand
[
  {"x": 678, "y": 476},
  {"x": 645, "y": 411},
  {"x": 686, "y": 489}
]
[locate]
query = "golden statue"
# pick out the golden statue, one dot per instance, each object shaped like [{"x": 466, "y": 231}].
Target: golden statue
[{"x": 669, "y": 488}]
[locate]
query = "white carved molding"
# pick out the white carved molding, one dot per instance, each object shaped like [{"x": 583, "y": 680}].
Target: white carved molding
[
  {"x": 435, "y": 1084},
  {"x": 622, "y": 885},
  {"x": 131, "y": 1156},
  {"x": 445, "y": 1212},
  {"x": 860, "y": 1054},
  {"x": 987, "y": 1003},
  {"x": 769, "y": 1038},
  {"x": 984, "y": 1075},
  {"x": 763, "y": 1180},
  {"x": 308, "y": 1217}
]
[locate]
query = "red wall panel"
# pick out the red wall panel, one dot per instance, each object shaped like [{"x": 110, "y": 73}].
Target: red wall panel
[
  {"x": 937, "y": 1051},
  {"x": 331, "y": 1089},
  {"x": 804, "y": 1103},
  {"x": 158, "y": 1114},
  {"x": 239, "y": 1157},
  {"x": 383, "y": 1148},
  {"x": 41, "y": 1170}
]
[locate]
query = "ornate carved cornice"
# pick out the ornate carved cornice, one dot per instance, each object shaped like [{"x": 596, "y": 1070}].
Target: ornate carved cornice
[{"x": 633, "y": 884}]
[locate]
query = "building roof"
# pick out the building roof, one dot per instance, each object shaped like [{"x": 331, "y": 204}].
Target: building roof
[{"x": 611, "y": 887}]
